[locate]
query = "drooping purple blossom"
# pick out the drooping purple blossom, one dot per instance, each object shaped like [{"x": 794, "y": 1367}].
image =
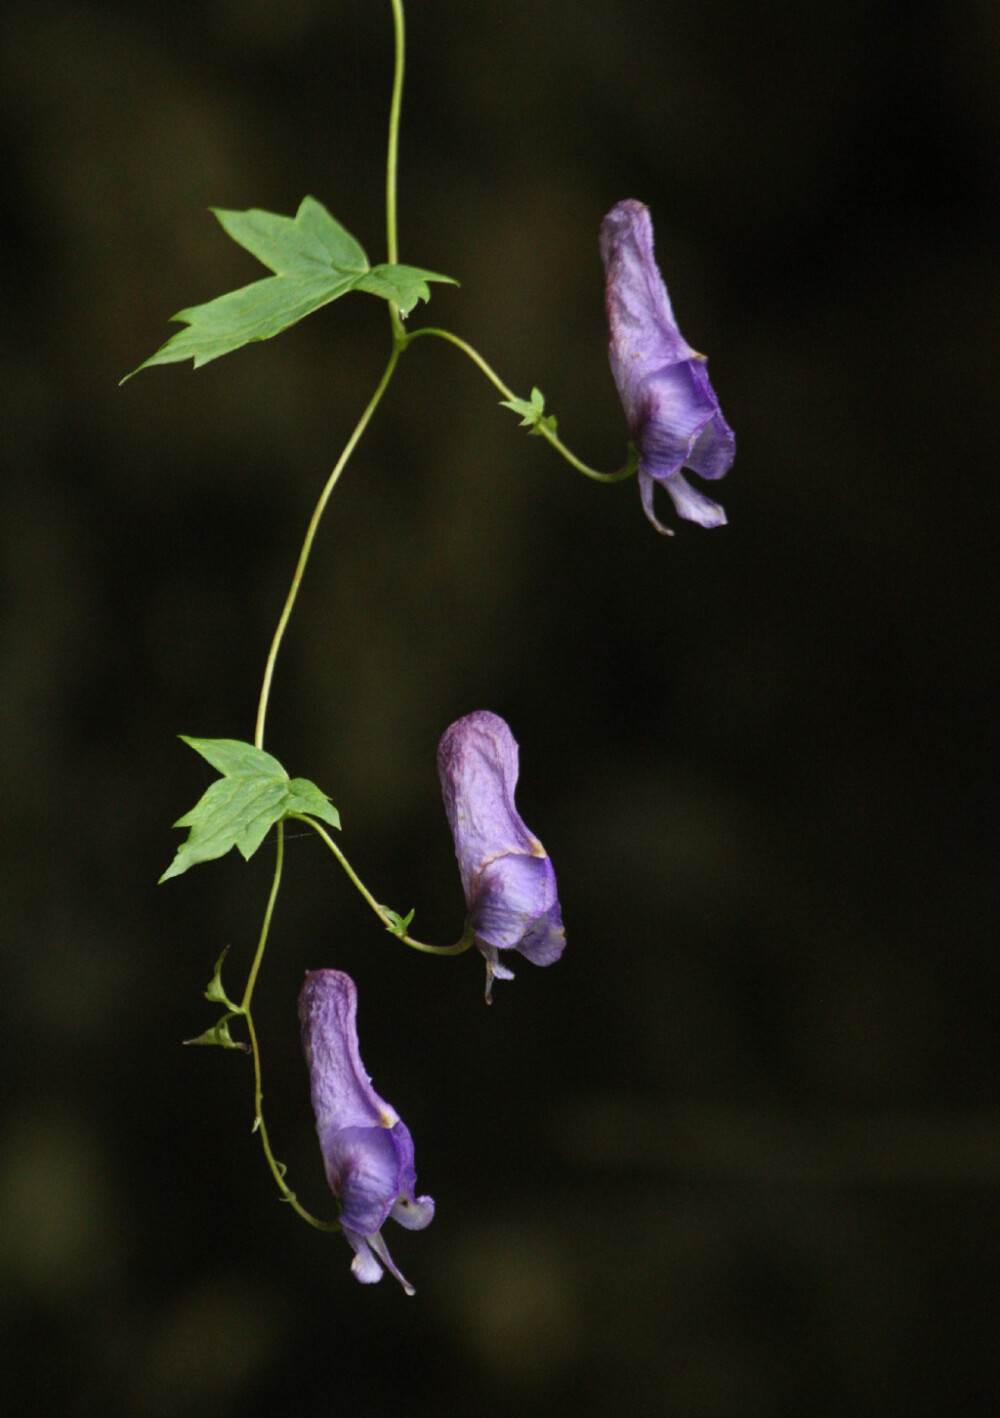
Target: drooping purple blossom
[
  {"x": 507, "y": 877},
  {"x": 367, "y": 1148},
  {"x": 673, "y": 414}
]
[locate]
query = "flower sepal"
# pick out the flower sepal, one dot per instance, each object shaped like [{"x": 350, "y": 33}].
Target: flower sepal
[
  {"x": 367, "y": 1148},
  {"x": 672, "y": 410},
  {"x": 507, "y": 877}
]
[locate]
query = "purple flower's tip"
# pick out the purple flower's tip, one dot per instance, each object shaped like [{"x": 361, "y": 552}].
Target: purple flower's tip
[
  {"x": 508, "y": 880},
  {"x": 367, "y": 1148},
  {"x": 494, "y": 970},
  {"x": 673, "y": 415}
]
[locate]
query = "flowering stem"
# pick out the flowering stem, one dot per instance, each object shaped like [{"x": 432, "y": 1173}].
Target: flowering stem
[
  {"x": 392, "y": 157},
  {"x": 552, "y": 438},
  {"x": 399, "y": 342},
  {"x": 265, "y": 929},
  {"x": 314, "y": 522},
  {"x": 384, "y": 916}
]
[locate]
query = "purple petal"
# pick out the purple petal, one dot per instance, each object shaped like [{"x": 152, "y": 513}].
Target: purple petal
[
  {"x": 692, "y": 504},
  {"x": 382, "y": 1251},
  {"x": 643, "y": 331},
  {"x": 688, "y": 501},
  {"x": 342, "y": 1094},
  {"x": 494, "y": 970},
  {"x": 364, "y": 1266},
  {"x": 477, "y": 763},
  {"x": 362, "y": 1167},
  {"x": 413, "y": 1212},
  {"x": 514, "y": 895}
]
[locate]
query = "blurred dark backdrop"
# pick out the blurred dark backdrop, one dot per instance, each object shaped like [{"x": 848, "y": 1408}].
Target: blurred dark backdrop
[{"x": 738, "y": 1154}]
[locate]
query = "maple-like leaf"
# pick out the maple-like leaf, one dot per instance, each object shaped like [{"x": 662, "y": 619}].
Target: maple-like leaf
[{"x": 314, "y": 259}]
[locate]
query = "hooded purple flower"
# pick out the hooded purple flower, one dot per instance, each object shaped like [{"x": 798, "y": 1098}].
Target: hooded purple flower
[
  {"x": 509, "y": 884},
  {"x": 367, "y": 1149},
  {"x": 673, "y": 414}
]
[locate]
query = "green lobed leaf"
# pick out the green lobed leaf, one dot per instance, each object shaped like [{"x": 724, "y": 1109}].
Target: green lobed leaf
[
  {"x": 232, "y": 756},
  {"x": 239, "y": 809},
  {"x": 404, "y": 285},
  {"x": 315, "y": 261},
  {"x": 285, "y": 244},
  {"x": 304, "y": 796}
]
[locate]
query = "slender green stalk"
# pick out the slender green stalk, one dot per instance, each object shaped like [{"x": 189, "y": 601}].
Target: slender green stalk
[
  {"x": 458, "y": 948},
  {"x": 278, "y": 1168},
  {"x": 552, "y": 438},
  {"x": 314, "y": 522},
  {"x": 265, "y": 929},
  {"x": 467, "y": 349},
  {"x": 392, "y": 157}
]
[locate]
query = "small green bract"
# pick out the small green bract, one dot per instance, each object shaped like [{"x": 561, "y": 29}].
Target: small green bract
[{"x": 532, "y": 412}]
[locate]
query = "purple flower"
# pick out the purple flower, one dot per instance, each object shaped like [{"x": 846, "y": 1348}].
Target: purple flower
[
  {"x": 367, "y": 1149},
  {"x": 509, "y": 884},
  {"x": 673, "y": 414}
]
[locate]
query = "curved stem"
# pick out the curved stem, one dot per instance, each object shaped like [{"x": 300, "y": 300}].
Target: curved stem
[
  {"x": 460, "y": 946},
  {"x": 314, "y": 522},
  {"x": 552, "y": 438},
  {"x": 467, "y": 349},
  {"x": 265, "y": 929},
  {"x": 277, "y": 1170},
  {"x": 392, "y": 157}
]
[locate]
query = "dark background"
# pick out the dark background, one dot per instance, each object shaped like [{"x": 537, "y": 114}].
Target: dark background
[{"x": 738, "y": 1154}]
